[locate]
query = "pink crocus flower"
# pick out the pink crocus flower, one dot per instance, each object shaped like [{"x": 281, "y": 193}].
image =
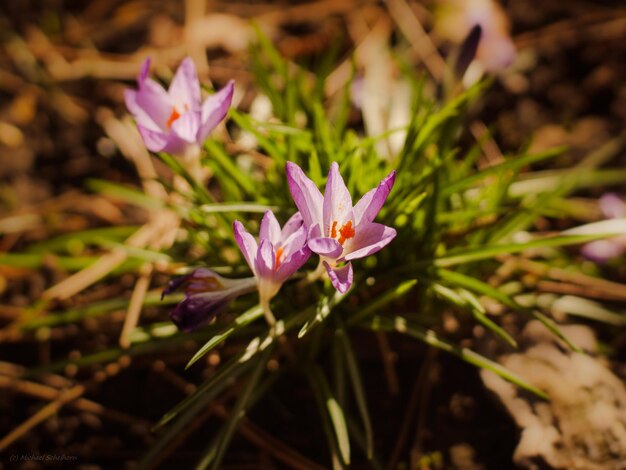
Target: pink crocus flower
[
  {"x": 338, "y": 231},
  {"x": 176, "y": 121},
  {"x": 278, "y": 254},
  {"x": 602, "y": 251}
]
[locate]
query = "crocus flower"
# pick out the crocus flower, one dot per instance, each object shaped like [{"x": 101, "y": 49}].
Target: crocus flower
[
  {"x": 338, "y": 231},
  {"x": 207, "y": 294},
  {"x": 278, "y": 254},
  {"x": 454, "y": 19},
  {"x": 176, "y": 121},
  {"x": 602, "y": 251}
]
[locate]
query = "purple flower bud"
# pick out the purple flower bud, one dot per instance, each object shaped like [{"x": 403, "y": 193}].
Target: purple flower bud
[{"x": 207, "y": 294}]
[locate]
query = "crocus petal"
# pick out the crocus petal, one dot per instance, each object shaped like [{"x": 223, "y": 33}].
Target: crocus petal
[
  {"x": 185, "y": 87},
  {"x": 602, "y": 251},
  {"x": 612, "y": 206},
  {"x": 270, "y": 228},
  {"x": 247, "y": 243},
  {"x": 337, "y": 200},
  {"x": 155, "y": 141},
  {"x": 370, "y": 204},
  {"x": 369, "y": 240},
  {"x": 186, "y": 126},
  {"x": 292, "y": 225},
  {"x": 326, "y": 247},
  {"x": 294, "y": 242},
  {"x": 214, "y": 109},
  {"x": 341, "y": 278},
  {"x": 155, "y": 102},
  {"x": 144, "y": 71},
  {"x": 197, "y": 310},
  {"x": 291, "y": 264},
  {"x": 265, "y": 259},
  {"x": 141, "y": 117},
  {"x": 305, "y": 194}
]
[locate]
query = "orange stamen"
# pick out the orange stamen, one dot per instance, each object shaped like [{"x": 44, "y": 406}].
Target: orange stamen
[
  {"x": 279, "y": 253},
  {"x": 172, "y": 118},
  {"x": 333, "y": 230},
  {"x": 346, "y": 232}
]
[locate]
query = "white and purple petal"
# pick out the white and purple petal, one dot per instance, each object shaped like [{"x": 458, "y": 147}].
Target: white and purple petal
[
  {"x": 296, "y": 241},
  {"x": 368, "y": 207},
  {"x": 305, "y": 194},
  {"x": 270, "y": 228},
  {"x": 214, "y": 110},
  {"x": 602, "y": 251},
  {"x": 247, "y": 244},
  {"x": 186, "y": 126},
  {"x": 369, "y": 239},
  {"x": 291, "y": 264},
  {"x": 291, "y": 226},
  {"x": 326, "y": 247},
  {"x": 155, "y": 102},
  {"x": 337, "y": 200},
  {"x": 612, "y": 206},
  {"x": 341, "y": 277},
  {"x": 185, "y": 87},
  {"x": 154, "y": 140},
  {"x": 265, "y": 260}
]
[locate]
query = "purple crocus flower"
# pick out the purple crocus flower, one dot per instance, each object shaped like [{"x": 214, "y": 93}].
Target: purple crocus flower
[
  {"x": 602, "y": 251},
  {"x": 207, "y": 294},
  {"x": 278, "y": 254},
  {"x": 338, "y": 231},
  {"x": 176, "y": 121}
]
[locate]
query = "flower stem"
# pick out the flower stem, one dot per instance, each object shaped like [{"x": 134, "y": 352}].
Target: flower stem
[
  {"x": 267, "y": 312},
  {"x": 313, "y": 276}
]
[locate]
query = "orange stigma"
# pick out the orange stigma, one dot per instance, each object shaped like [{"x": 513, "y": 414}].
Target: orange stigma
[
  {"x": 333, "y": 230},
  {"x": 279, "y": 253},
  {"x": 346, "y": 232},
  {"x": 172, "y": 118}
]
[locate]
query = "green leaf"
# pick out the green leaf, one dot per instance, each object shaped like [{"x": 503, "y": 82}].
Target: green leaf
[
  {"x": 240, "y": 408},
  {"x": 322, "y": 392},
  {"x": 324, "y": 307},
  {"x": 241, "y": 321},
  {"x": 462, "y": 256},
  {"x": 485, "y": 289},
  {"x": 357, "y": 387}
]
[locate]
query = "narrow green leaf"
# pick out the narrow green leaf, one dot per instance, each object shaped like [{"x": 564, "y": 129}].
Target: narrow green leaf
[
  {"x": 462, "y": 256},
  {"x": 241, "y": 321},
  {"x": 239, "y": 410},
  {"x": 334, "y": 412},
  {"x": 481, "y": 287},
  {"x": 357, "y": 387}
]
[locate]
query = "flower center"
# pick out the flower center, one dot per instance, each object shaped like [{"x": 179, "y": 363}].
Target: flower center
[
  {"x": 173, "y": 117},
  {"x": 279, "y": 253},
  {"x": 346, "y": 231}
]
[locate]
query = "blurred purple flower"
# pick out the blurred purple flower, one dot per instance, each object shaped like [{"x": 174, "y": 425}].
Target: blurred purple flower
[
  {"x": 277, "y": 255},
  {"x": 602, "y": 251},
  {"x": 176, "y": 120},
  {"x": 338, "y": 231},
  {"x": 207, "y": 294},
  {"x": 454, "y": 20}
]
